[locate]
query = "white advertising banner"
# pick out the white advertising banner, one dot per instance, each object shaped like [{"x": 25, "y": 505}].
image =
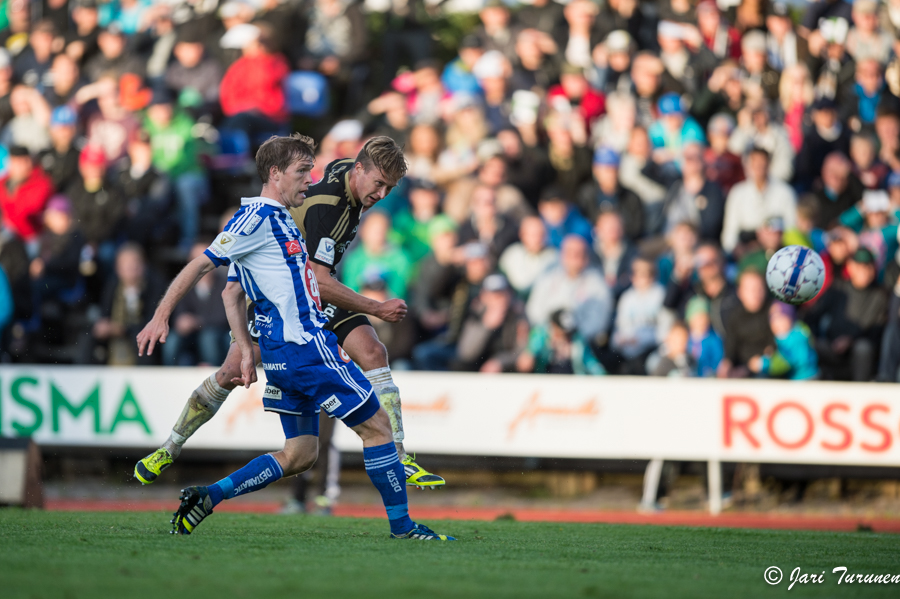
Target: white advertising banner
[{"x": 488, "y": 415}]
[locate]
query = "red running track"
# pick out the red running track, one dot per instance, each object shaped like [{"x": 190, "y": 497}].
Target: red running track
[{"x": 727, "y": 520}]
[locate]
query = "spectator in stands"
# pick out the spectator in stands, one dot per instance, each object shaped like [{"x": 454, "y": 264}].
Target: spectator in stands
[
  {"x": 752, "y": 201},
  {"x": 574, "y": 286},
  {"x": 527, "y": 167},
  {"x": 848, "y": 321},
  {"x": 175, "y": 154},
  {"x": 637, "y": 172},
  {"x": 871, "y": 172},
  {"x": 861, "y": 102},
  {"x": 673, "y": 359},
  {"x": 486, "y": 225},
  {"x": 65, "y": 81},
  {"x": 768, "y": 241},
  {"x": 561, "y": 218},
  {"x": 24, "y": 192},
  {"x": 82, "y": 41},
  {"x": 674, "y": 129},
  {"x": 705, "y": 277},
  {"x": 838, "y": 191},
  {"x": 252, "y": 91},
  {"x": 128, "y": 303},
  {"x": 794, "y": 356},
  {"x": 114, "y": 125},
  {"x": 525, "y": 261},
  {"x": 200, "y": 331},
  {"x": 747, "y": 332},
  {"x": 112, "y": 59},
  {"x": 613, "y": 252},
  {"x": 375, "y": 256},
  {"x": 640, "y": 324},
  {"x": 60, "y": 162},
  {"x": 646, "y": 76},
  {"x": 98, "y": 210},
  {"x": 437, "y": 353},
  {"x": 704, "y": 345},
  {"x": 722, "y": 167},
  {"x": 826, "y": 136},
  {"x": 796, "y": 94},
  {"x": 431, "y": 290},
  {"x": 759, "y": 78},
  {"x": 193, "y": 70},
  {"x": 494, "y": 330},
  {"x": 569, "y": 154},
  {"x": 412, "y": 226},
  {"x": 785, "y": 48},
  {"x": 558, "y": 348},
  {"x": 55, "y": 268},
  {"x": 29, "y": 127},
  {"x": 756, "y": 129},
  {"x": 695, "y": 200},
  {"x": 605, "y": 193},
  {"x": 457, "y": 76},
  {"x": 32, "y": 65}
]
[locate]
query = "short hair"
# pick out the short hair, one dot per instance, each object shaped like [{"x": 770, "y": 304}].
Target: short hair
[
  {"x": 281, "y": 152},
  {"x": 383, "y": 153},
  {"x": 759, "y": 150}
]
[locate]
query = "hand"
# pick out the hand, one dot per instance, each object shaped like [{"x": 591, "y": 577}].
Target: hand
[
  {"x": 248, "y": 370},
  {"x": 525, "y": 362},
  {"x": 157, "y": 330},
  {"x": 841, "y": 344},
  {"x": 724, "y": 369},
  {"x": 36, "y": 268},
  {"x": 492, "y": 367},
  {"x": 103, "y": 329},
  {"x": 330, "y": 65},
  {"x": 393, "y": 310},
  {"x": 755, "y": 364}
]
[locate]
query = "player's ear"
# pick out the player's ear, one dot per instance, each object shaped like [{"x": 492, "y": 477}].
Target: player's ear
[{"x": 274, "y": 173}]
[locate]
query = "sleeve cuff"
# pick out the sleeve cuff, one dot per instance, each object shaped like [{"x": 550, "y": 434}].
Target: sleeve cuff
[{"x": 217, "y": 260}]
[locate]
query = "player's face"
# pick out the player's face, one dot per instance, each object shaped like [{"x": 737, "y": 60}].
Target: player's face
[
  {"x": 292, "y": 184},
  {"x": 372, "y": 185}
]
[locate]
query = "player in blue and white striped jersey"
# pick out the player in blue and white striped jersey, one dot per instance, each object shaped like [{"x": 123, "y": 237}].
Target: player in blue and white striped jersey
[{"x": 305, "y": 369}]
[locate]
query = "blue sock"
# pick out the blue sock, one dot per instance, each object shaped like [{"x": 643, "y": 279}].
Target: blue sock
[
  {"x": 384, "y": 468},
  {"x": 259, "y": 473}
]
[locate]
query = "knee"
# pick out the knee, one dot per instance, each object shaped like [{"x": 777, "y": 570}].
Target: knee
[
  {"x": 298, "y": 463},
  {"x": 376, "y": 356}
]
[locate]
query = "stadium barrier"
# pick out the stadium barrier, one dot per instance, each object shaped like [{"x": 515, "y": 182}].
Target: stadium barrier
[{"x": 491, "y": 415}]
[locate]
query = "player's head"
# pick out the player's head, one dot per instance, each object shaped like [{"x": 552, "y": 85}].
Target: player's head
[
  {"x": 379, "y": 167},
  {"x": 284, "y": 165}
]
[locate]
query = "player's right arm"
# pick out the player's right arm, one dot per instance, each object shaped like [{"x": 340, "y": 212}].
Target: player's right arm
[
  {"x": 334, "y": 292},
  {"x": 236, "y": 311},
  {"x": 157, "y": 329}
]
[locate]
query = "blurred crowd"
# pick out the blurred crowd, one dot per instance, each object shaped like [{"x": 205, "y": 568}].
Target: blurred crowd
[{"x": 594, "y": 187}]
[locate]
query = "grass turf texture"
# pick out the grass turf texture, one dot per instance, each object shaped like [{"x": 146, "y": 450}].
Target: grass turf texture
[{"x": 91, "y": 555}]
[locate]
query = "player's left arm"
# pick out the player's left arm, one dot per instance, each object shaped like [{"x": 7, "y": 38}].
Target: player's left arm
[
  {"x": 236, "y": 311},
  {"x": 157, "y": 329},
  {"x": 334, "y": 292}
]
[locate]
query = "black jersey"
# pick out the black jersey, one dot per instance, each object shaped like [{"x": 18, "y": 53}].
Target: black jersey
[{"x": 329, "y": 217}]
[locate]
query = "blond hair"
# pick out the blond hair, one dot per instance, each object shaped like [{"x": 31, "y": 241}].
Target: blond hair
[{"x": 384, "y": 154}]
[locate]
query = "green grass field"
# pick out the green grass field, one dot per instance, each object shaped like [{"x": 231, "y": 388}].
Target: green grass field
[{"x": 130, "y": 555}]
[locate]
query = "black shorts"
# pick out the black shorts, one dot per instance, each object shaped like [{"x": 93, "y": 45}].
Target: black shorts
[{"x": 342, "y": 322}]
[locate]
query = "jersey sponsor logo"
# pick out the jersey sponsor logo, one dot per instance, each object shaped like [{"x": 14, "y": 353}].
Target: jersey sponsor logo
[
  {"x": 293, "y": 247},
  {"x": 222, "y": 243},
  {"x": 272, "y": 392},
  {"x": 262, "y": 322},
  {"x": 252, "y": 482},
  {"x": 344, "y": 355},
  {"x": 251, "y": 224},
  {"x": 325, "y": 253},
  {"x": 274, "y": 365},
  {"x": 331, "y": 404}
]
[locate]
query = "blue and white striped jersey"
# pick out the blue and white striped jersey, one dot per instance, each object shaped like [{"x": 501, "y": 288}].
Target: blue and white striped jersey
[{"x": 267, "y": 255}]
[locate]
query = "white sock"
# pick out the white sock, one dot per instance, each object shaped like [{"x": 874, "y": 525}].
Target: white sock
[{"x": 389, "y": 396}]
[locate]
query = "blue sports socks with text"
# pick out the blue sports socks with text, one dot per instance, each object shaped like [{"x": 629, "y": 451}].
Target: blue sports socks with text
[
  {"x": 386, "y": 472},
  {"x": 259, "y": 473}
]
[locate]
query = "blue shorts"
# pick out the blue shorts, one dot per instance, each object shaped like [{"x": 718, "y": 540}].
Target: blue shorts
[{"x": 303, "y": 379}]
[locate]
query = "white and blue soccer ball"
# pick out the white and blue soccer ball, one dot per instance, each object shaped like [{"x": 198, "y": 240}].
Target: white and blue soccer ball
[{"x": 795, "y": 274}]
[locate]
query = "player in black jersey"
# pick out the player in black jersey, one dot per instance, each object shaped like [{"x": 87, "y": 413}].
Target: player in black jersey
[{"x": 328, "y": 220}]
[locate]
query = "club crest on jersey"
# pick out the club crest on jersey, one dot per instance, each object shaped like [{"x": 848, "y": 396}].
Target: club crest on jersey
[
  {"x": 344, "y": 355},
  {"x": 293, "y": 247}
]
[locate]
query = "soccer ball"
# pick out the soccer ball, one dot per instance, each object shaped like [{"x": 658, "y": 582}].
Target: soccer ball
[{"x": 795, "y": 274}]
